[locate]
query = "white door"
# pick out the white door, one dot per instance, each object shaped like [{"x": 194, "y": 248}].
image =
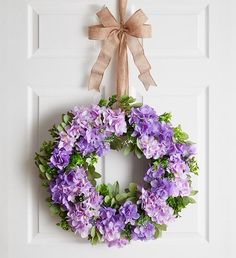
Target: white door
[{"x": 45, "y": 62}]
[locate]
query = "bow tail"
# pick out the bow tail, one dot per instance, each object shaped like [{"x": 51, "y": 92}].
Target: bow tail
[
  {"x": 141, "y": 62},
  {"x": 109, "y": 47}
]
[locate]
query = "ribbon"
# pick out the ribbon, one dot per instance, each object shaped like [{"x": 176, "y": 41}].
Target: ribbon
[{"x": 117, "y": 36}]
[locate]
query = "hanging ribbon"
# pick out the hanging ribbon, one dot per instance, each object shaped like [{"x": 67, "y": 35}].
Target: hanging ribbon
[{"x": 119, "y": 35}]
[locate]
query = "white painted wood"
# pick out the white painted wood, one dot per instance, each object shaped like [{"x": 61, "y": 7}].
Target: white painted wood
[{"x": 45, "y": 60}]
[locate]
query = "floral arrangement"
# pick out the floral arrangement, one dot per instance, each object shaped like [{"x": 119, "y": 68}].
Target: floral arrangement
[{"x": 101, "y": 212}]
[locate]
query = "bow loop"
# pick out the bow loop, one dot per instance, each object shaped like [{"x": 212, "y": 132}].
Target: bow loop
[
  {"x": 136, "y": 20},
  {"x": 107, "y": 19}
]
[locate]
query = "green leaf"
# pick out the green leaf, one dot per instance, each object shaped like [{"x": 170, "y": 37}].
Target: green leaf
[
  {"x": 48, "y": 176},
  {"x": 107, "y": 199},
  {"x": 166, "y": 117},
  {"x": 137, "y": 105},
  {"x": 193, "y": 192},
  {"x": 60, "y": 128},
  {"x": 112, "y": 101},
  {"x": 162, "y": 227},
  {"x": 187, "y": 200},
  {"x": 179, "y": 135},
  {"x": 179, "y": 202},
  {"x": 116, "y": 188},
  {"x": 66, "y": 118},
  {"x": 128, "y": 149},
  {"x": 193, "y": 166},
  {"x": 132, "y": 187},
  {"x": 63, "y": 224},
  {"x": 102, "y": 189},
  {"x": 54, "y": 209},
  {"x": 42, "y": 168},
  {"x": 138, "y": 152},
  {"x": 93, "y": 232},
  {"x": 121, "y": 197},
  {"x": 113, "y": 202},
  {"x": 110, "y": 188},
  {"x": 102, "y": 103},
  {"x": 96, "y": 175}
]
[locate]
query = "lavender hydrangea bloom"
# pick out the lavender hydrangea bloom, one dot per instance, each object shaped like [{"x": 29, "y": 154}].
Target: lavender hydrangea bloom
[
  {"x": 150, "y": 147},
  {"x": 181, "y": 187},
  {"x": 177, "y": 166},
  {"x": 79, "y": 222},
  {"x": 156, "y": 208},
  {"x": 93, "y": 141},
  {"x": 144, "y": 120},
  {"x": 114, "y": 121},
  {"x": 59, "y": 158},
  {"x": 66, "y": 189},
  {"x": 66, "y": 186},
  {"x": 110, "y": 226},
  {"x": 66, "y": 142},
  {"x": 129, "y": 212},
  {"x": 143, "y": 232},
  {"x": 153, "y": 173},
  {"x": 162, "y": 187}
]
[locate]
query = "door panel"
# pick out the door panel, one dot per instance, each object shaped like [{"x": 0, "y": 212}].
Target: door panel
[{"x": 50, "y": 58}]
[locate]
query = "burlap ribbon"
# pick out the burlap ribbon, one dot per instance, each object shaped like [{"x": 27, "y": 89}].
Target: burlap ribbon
[{"x": 119, "y": 35}]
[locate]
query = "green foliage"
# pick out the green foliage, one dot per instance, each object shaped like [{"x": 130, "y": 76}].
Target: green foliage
[
  {"x": 127, "y": 102},
  {"x": 138, "y": 153},
  {"x": 113, "y": 198},
  {"x": 179, "y": 203},
  {"x": 94, "y": 236},
  {"x": 46, "y": 173},
  {"x": 75, "y": 160},
  {"x": 56, "y": 129},
  {"x": 102, "y": 189},
  {"x": 92, "y": 174},
  {"x": 166, "y": 117},
  {"x": 193, "y": 192},
  {"x": 158, "y": 229},
  {"x": 179, "y": 135},
  {"x": 163, "y": 161},
  {"x": 63, "y": 224},
  {"x": 54, "y": 209},
  {"x": 112, "y": 100},
  {"x": 126, "y": 233},
  {"x": 102, "y": 103},
  {"x": 193, "y": 166},
  {"x": 143, "y": 218}
]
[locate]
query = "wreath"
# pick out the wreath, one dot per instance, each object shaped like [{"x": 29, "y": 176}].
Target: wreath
[{"x": 101, "y": 212}]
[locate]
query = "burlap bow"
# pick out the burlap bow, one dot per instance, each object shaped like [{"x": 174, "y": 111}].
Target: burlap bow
[{"x": 120, "y": 35}]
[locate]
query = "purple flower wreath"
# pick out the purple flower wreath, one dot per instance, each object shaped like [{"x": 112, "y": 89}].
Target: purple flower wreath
[{"x": 100, "y": 212}]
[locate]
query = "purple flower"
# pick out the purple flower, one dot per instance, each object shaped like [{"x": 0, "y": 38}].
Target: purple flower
[
  {"x": 144, "y": 120},
  {"x": 150, "y": 147},
  {"x": 60, "y": 158},
  {"x": 181, "y": 187},
  {"x": 110, "y": 225},
  {"x": 75, "y": 193},
  {"x": 93, "y": 141},
  {"x": 79, "y": 222},
  {"x": 66, "y": 142},
  {"x": 162, "y": 187},
  {"x": 143, "y": 232},
  {"x": 177, "y": 166},
  {"x": 153, "y": 173},
  {"x": 114, "y": 121},
  {"x": 129, "y": 211},
  {"x": 156, "y": 208}
]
